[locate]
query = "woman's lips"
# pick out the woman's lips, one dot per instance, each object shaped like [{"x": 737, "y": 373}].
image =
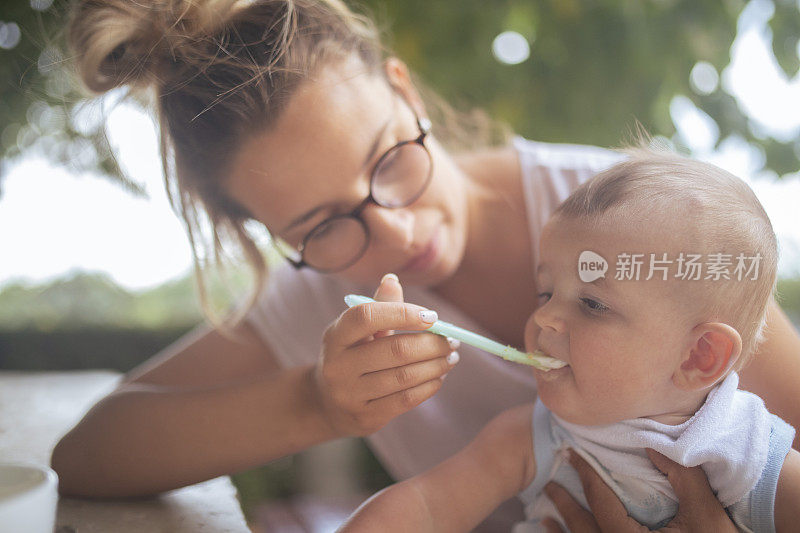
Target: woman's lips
[{"x": 426, "y": 257}]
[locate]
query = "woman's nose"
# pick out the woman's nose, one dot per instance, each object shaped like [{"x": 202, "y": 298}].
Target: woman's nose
[{"x": 392, "y": 228}]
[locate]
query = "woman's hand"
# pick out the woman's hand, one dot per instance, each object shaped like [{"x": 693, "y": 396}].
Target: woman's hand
[
  {"x": 698, "y": 508},
  {"x": 367, "y": 375}
]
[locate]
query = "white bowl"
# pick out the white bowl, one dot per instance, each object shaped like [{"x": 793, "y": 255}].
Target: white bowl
[{"x": 28, "y": 498}]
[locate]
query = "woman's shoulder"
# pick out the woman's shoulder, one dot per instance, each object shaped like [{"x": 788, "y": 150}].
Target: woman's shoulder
[
  {"x": 534, "y": 162},
  {"x": 489, "y": 162},
  {"x": 564, "y": 155}
]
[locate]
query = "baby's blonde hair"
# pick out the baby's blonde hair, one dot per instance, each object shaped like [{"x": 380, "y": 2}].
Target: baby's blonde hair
[{"x": 654, "y": 185}]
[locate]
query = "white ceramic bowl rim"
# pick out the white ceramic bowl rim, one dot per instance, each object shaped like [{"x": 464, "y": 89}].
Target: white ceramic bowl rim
[{"x": 19, "y": 479}]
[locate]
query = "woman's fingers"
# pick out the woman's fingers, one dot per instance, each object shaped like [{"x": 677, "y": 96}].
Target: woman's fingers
[
  {"x": 690, "y": 484},
  {"x": 391, "y": 380},
  {"x": 360, "y": 342},
  {"x": 364, "y": 320},
  {"x": 698, "y": 507},
  {"x": 578, "y": 519},
  {"x": 551, "y": 526},
  {"x": 405, "y": 400},
  {"x": 609, "y": 512},
  {"x": 389, "y": 290},
  {"x": 399, "y": 350}
]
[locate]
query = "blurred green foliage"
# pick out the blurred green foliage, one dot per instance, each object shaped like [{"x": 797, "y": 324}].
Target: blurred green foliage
[
  {"x": 87, "y": 321},
  {"x": 788, "y": 296},
  {"x": 786, "y": 28},
  {"x": 95, "y": 300},
  {"x": 82, "y": 347},
  {"x": 595, "y": 68},
  {"x": 38, "y": 96}
]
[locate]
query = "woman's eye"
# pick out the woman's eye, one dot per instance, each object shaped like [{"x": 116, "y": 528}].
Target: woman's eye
[
  {"x": 322, "y": 231},
  {"x": 389, "y": 159},
  {"x": 593, "y": 305}
]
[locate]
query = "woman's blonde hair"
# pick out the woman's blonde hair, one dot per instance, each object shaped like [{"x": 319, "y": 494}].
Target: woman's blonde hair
[{"x": 216, "y": 72}]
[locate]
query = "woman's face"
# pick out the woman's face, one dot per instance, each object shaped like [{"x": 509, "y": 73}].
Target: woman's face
[{"x": 317, "y": 160}]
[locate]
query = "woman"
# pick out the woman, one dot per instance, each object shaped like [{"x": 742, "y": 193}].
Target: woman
[{"x": 286, "y": 113}]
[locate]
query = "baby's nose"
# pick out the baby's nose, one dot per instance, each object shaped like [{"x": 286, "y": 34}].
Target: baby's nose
[{"x": 548, "y": 316}]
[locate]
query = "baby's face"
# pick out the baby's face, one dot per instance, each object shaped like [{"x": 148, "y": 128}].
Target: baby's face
[{"x": 622, "y": 340}]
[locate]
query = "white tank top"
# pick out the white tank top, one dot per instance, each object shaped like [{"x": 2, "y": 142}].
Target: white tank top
[{"x": 297, "y": 306}]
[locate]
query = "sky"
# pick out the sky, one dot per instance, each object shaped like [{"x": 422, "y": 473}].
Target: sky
[{"x": 55, "y": 222}]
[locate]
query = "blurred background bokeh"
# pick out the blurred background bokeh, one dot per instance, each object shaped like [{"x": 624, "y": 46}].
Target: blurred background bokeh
[{"x": 95, "y": 268}]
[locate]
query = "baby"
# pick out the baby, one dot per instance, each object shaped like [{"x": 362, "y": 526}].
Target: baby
[{"x": 654, "y": 279}]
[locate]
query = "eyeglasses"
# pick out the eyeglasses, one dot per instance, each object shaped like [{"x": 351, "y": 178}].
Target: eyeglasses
[{"x": 397, "y": 180}]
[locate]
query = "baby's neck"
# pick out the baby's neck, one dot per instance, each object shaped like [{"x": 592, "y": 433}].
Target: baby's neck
[{"x": 683, "y": 410}]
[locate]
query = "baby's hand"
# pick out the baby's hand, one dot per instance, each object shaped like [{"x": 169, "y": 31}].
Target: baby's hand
[{"x": 367, "y": 375}]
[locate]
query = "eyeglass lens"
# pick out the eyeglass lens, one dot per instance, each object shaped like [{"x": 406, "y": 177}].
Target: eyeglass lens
[
  {"x": 401, "y": 175},
  {"x": 400, "y": 178}
]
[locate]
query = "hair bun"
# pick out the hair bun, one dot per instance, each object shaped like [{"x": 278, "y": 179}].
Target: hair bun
[
  {"x": 118, "y": 42},
  {"x": 113, "y": 42}
]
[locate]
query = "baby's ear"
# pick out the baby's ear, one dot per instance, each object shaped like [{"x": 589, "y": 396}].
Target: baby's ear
[{"x": 712, "y": 348}]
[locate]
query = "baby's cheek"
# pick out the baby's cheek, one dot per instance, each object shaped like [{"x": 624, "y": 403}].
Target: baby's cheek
[
  {"x": 601, "y": 380},
  {"x": 603, "y": 346}
]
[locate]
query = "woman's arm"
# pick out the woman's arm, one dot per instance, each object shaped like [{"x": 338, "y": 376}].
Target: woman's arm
[
  {"x": 205, "y": 406},
  {"x": 209, "y": 406},
  {"x": 774, "y": 371},
  {"x": 463, "y": 490}
]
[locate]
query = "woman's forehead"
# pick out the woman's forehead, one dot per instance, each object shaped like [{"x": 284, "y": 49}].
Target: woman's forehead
[{"x": 316, "y": 147}]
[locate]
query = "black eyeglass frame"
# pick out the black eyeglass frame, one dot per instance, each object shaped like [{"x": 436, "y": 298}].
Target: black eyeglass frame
[{"x": 424, "y": 125}]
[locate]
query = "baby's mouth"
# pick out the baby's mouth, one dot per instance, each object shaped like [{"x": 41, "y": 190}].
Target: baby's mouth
[{"x": 547, "y": 362}]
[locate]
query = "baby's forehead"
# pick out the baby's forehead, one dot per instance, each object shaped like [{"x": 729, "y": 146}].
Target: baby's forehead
[
  {"x": 619, "y": 231},
  {"x": 629, "y": 258}
]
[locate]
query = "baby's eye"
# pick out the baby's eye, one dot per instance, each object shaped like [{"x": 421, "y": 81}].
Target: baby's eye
[
  {"x": 544, "y": 296},
  {"x": 594, "y": 306}
]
